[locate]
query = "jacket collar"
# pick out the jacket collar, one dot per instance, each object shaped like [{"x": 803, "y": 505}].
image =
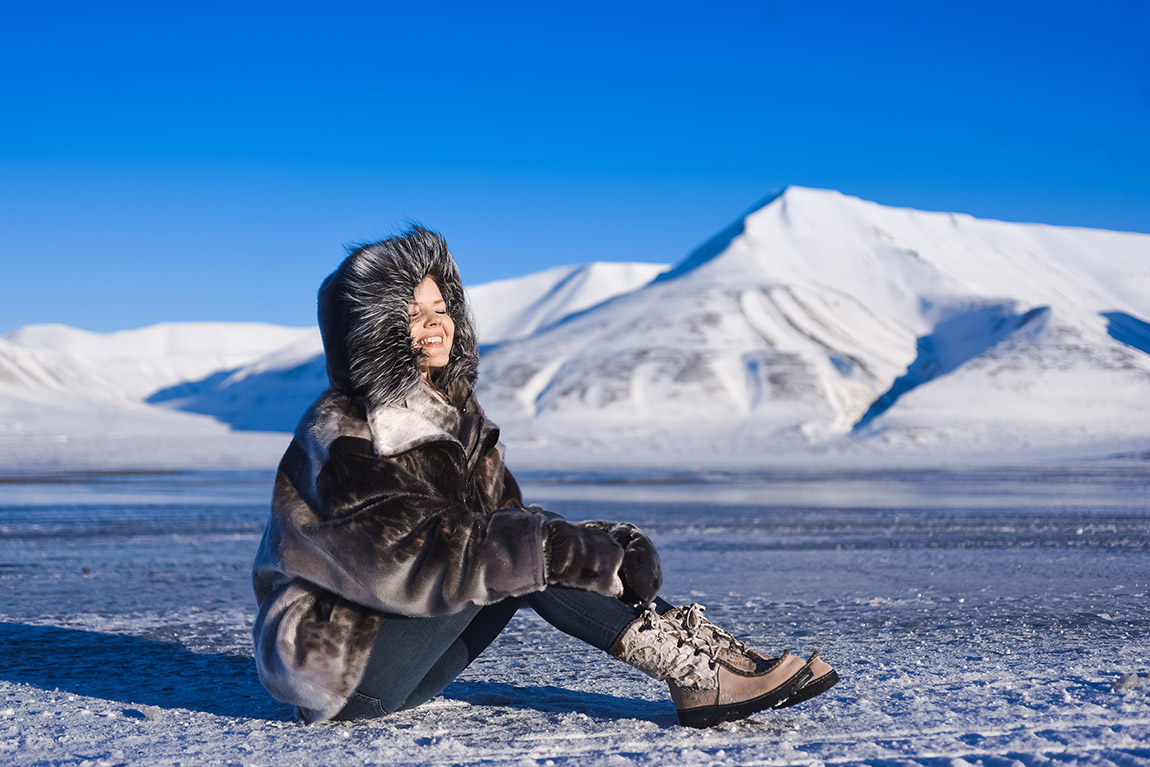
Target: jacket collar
[{"x": 423, "y": 416}]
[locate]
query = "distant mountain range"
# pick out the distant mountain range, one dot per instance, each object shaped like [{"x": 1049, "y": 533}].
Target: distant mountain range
[
  {"x": 816, "y": 323},
  {"x": 179, "y": 394}
]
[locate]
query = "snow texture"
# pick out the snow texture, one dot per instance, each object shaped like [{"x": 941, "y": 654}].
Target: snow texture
[{"x": 977, "y": 617}]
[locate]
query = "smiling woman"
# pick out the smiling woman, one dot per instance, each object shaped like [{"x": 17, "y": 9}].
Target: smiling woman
[
  {"x": 432, "y": 329},
  {"x": 399, "y": 545}
]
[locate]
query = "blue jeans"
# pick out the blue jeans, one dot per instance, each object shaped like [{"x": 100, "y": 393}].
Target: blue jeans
[{"x": 413, "y": 659}]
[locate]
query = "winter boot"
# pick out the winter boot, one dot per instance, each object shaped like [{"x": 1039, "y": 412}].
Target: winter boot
[
  {"x": 736, "y": 654},
  {"x": 707, "y": 685}
]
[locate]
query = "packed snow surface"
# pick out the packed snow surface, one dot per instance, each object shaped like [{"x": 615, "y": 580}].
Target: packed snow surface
[{"x": 977, "y": 617}]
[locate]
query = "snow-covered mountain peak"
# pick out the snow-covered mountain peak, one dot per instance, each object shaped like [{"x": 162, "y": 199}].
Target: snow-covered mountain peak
[
  {"x": 814, "y": 314},
  {"x": 516, "y": 308},
  {"x": 722, "y": 240},
  {"x": 828, "y": 241}
]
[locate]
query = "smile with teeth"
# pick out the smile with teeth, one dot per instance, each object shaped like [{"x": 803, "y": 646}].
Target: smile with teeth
[{"x": 431, "y": 340}]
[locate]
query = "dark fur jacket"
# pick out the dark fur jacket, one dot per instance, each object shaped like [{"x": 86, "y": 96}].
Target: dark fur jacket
[{"x": 390, "y": 497}]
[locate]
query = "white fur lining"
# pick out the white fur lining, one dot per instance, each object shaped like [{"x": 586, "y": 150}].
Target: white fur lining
[{"x": 423, "y": 417}]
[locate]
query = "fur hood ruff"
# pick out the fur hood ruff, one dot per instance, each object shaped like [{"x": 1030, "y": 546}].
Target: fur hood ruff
[{"x": 363, "y": 318}]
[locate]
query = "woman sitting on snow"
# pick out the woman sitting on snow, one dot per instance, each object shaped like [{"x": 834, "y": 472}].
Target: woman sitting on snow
[{"x": 399, "y": 545}]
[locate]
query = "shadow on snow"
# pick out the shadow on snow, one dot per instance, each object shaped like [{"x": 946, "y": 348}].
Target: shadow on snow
[
  {"x": 967, "y": 333},
  {"x": 1128, "y": 329},
  {"x": 146, "y": 672},
  {"x": 134, "y": 671}
]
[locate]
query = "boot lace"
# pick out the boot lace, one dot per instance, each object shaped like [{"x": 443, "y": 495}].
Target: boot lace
[
  {"x": 693, "y": 620},
  {"x": 666, "y": 650}
]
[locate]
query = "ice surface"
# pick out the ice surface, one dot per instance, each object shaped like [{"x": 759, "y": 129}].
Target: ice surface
[{"x": 995, "y": 617}]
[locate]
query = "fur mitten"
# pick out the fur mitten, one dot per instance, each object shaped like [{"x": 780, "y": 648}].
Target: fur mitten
[
  {"x": 582, "y": 557},
  {"x": 642, "y": 572}
]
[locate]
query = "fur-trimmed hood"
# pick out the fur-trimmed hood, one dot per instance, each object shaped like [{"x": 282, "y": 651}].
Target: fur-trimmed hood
[{"x": 363, "y": 318}]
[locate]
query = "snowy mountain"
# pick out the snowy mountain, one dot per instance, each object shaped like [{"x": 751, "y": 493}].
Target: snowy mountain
[
  {"x": 72, "y": 399},
  {"x": 511, "y": 309},
  {"x": 815, "y": 323},
  {"x": 271, "y": 392},
  {"x": 134, "y": 363},
  {"x": 821, "y": 320},
  {"x": 59, "y": 383}
]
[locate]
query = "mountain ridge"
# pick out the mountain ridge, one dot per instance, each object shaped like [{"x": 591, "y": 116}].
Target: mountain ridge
[
  {"x": 811, "y": 314},
  {"x": 816, "y": 322}
]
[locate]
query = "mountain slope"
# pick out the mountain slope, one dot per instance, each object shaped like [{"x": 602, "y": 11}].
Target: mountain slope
[
  {"x": 820, "y": 319},
  {"x": 253, "y": 376},
  {"x": 515, "y": 308},
  {"x": 135, "y": 363}
]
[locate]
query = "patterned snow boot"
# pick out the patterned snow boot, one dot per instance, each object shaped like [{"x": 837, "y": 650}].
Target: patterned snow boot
[
  {"x": 737, "y": 654},
  {"x": 708, "y": 684}
]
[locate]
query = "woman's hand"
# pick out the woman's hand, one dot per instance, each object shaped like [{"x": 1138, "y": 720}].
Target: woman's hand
[
  {"x": 582, "y": 557},
  {"x": 641, "y": 571},
  {"x": 617, "y": 560}
]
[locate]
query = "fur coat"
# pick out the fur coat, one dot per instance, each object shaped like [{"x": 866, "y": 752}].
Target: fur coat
[{"x": 390, "y": 497}]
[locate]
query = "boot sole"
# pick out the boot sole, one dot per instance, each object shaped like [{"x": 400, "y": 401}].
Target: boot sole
[
  {"x": 813, "y": 688},
  {"x": 709, "y": 716}
]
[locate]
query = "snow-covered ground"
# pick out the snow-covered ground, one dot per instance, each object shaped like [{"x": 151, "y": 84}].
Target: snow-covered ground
[{"x": 997, "y": 617}]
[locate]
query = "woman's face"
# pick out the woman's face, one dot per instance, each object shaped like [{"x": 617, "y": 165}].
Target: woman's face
[{"x": 432, "y": 328}]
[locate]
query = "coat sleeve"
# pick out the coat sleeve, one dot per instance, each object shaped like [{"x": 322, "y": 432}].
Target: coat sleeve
[
  {"x": 390, "y": 533},
  {"x": 311, "y": 647}
]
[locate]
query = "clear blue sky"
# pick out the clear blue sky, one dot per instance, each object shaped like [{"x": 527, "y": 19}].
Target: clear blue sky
[{"x": 177, "y": 161}]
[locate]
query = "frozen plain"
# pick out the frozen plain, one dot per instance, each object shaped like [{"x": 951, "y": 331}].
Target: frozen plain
[{"x": 977, "y": 616}]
